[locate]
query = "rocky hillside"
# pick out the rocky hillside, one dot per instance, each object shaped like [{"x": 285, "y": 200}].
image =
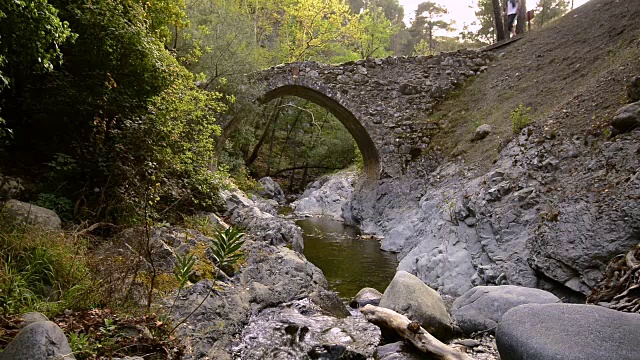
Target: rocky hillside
[{"x": 547, "y": 207}]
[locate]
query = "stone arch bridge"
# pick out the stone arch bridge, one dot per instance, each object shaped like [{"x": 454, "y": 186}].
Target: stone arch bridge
[{"x": 383, "y": 103}]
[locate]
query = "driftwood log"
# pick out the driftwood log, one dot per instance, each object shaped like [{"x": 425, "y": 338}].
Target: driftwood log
[{"x": 412, "y": 332}]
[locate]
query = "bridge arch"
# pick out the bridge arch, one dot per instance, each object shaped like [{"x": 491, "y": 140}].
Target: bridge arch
[
  {"x": 364, "y": 141},
  {"x": 385, "y": 104}
]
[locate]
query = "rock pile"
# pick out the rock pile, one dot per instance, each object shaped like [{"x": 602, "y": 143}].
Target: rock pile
[{"x": 268, "y": 227}]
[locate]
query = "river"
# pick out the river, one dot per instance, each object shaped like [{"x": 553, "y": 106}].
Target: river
[{"x": 348, "y": 261}]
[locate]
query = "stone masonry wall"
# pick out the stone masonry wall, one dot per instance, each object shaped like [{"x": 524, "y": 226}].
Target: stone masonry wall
[{"x": 390, "y": 99}]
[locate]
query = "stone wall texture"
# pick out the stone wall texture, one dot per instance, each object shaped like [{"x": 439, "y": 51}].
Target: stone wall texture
[{"x": 384, "y": 103}]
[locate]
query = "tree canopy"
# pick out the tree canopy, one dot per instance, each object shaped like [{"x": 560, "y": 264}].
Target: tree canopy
[{"x": 116, "y": 106}]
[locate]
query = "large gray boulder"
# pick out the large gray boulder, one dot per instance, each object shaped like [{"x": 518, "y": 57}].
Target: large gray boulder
[
  {"x": 408, "y": 295},
  {"x": 366, "y": 296},
  {"x": 568, "y": 332},
  {"x": 30, "y": 318},
  {"x": 271, "y": 190},
  {"x": 326, "y": 197},
  {"x": 42, "y": 340},
  {"x": 627, "y": 118},
  {"x": 481, "y": 308},
  {"x": 278, "y": 275},
  {"x": 31, "y": 214}
]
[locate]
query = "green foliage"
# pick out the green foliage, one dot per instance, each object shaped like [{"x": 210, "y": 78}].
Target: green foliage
[
  {"x": 36, "y": 30},
  {"x": 37, "y": 266},
  {"x": 358, "y": 160},
  {"x": 183, "y": 268},
  {"x": 165, "y": 17},
  {"x": 548, "y": 10},
  {"x": 199, "y": 223},
  {"x": 486, "y": 32},
  {"x": 449, "y": 205},
  {"x": 33, "y": 27},
  {"x": 429, "y": 18},
  {"x": 120, "y": 123},
  {"x": 226, "y": 245},
  {"x": 372, "y": 33},
  {"x": 226, "y": 38},
  {"x": 61, "y": 205},
  {"x": 82, "y": 345},
  {"x": 313, "y": 28},
  {"x": 520, "y": 118},
  {"x": 170, "y": 150}
]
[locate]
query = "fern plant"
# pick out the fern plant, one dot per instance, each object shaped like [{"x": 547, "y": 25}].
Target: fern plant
[
  {"x": 225, "y": 247},
  {"x": 181, "y": 273}
]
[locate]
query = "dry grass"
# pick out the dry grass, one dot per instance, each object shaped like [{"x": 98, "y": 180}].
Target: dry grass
[{"x": 571, "y": 74}]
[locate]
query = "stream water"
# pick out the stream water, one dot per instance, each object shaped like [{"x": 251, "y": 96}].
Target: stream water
[{"x": 348, "y": 261}]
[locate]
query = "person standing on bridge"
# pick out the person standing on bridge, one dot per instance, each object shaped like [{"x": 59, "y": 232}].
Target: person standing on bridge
[{"x": 513, "y": 6}]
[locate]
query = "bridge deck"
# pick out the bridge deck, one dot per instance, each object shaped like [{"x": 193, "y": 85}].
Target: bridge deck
[{"x": 502, "y": 43}]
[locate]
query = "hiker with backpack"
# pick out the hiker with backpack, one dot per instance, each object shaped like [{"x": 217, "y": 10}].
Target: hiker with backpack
[{"x": 513, "y": 6}]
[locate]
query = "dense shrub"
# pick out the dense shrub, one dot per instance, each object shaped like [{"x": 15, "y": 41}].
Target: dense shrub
[{"x": 119, "y": 123}]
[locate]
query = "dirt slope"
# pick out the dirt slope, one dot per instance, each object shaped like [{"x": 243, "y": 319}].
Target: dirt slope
[{"x": 571, "y": 73}]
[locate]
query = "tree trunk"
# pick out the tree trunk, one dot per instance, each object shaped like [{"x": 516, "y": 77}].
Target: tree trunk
[
  {"x": 256, "y": 149},
  {"x": 522, "y": 17},
  {"x": 273, "y": 135},
  {"x": 292, "y": 178},
  {"x": 305, "y": 176},
  {"x": 286, "y": 139},
  {"x": 497, "y": 14},
  {"x": 413, "y": 332}
]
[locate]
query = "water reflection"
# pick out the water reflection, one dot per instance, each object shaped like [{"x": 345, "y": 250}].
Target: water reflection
[{"x": 349, "y": 262}]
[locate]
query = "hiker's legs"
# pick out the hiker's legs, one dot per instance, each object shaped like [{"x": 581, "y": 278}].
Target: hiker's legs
[{"x": 511, "y": 20}]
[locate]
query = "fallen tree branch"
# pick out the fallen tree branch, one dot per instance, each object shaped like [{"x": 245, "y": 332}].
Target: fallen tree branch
[
  {"x": 411, "y": 331},
  {"x": 305, "y": 167},
  {"x": 93, "y": 227}
]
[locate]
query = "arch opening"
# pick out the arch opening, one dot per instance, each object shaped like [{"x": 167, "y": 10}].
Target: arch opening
[{"x": 362, "y": 138}]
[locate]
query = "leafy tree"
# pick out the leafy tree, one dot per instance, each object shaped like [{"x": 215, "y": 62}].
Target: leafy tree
[
  {"x": 134, "y": 129},
  {"x": 393, "y": 11},
  {"x": 223, "y": 36},
  {"x": 485, "y": 23},
  {"x": 33, "y": 34},
  {"x": 33, "y": 27},
  {"x": 547, "y": 10},
  {"x": 166, "y": 18},
  {"x": 313, "y": 29},
  {"x": 372, "y": 34},
  {"x": 428, "y": 19}
]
